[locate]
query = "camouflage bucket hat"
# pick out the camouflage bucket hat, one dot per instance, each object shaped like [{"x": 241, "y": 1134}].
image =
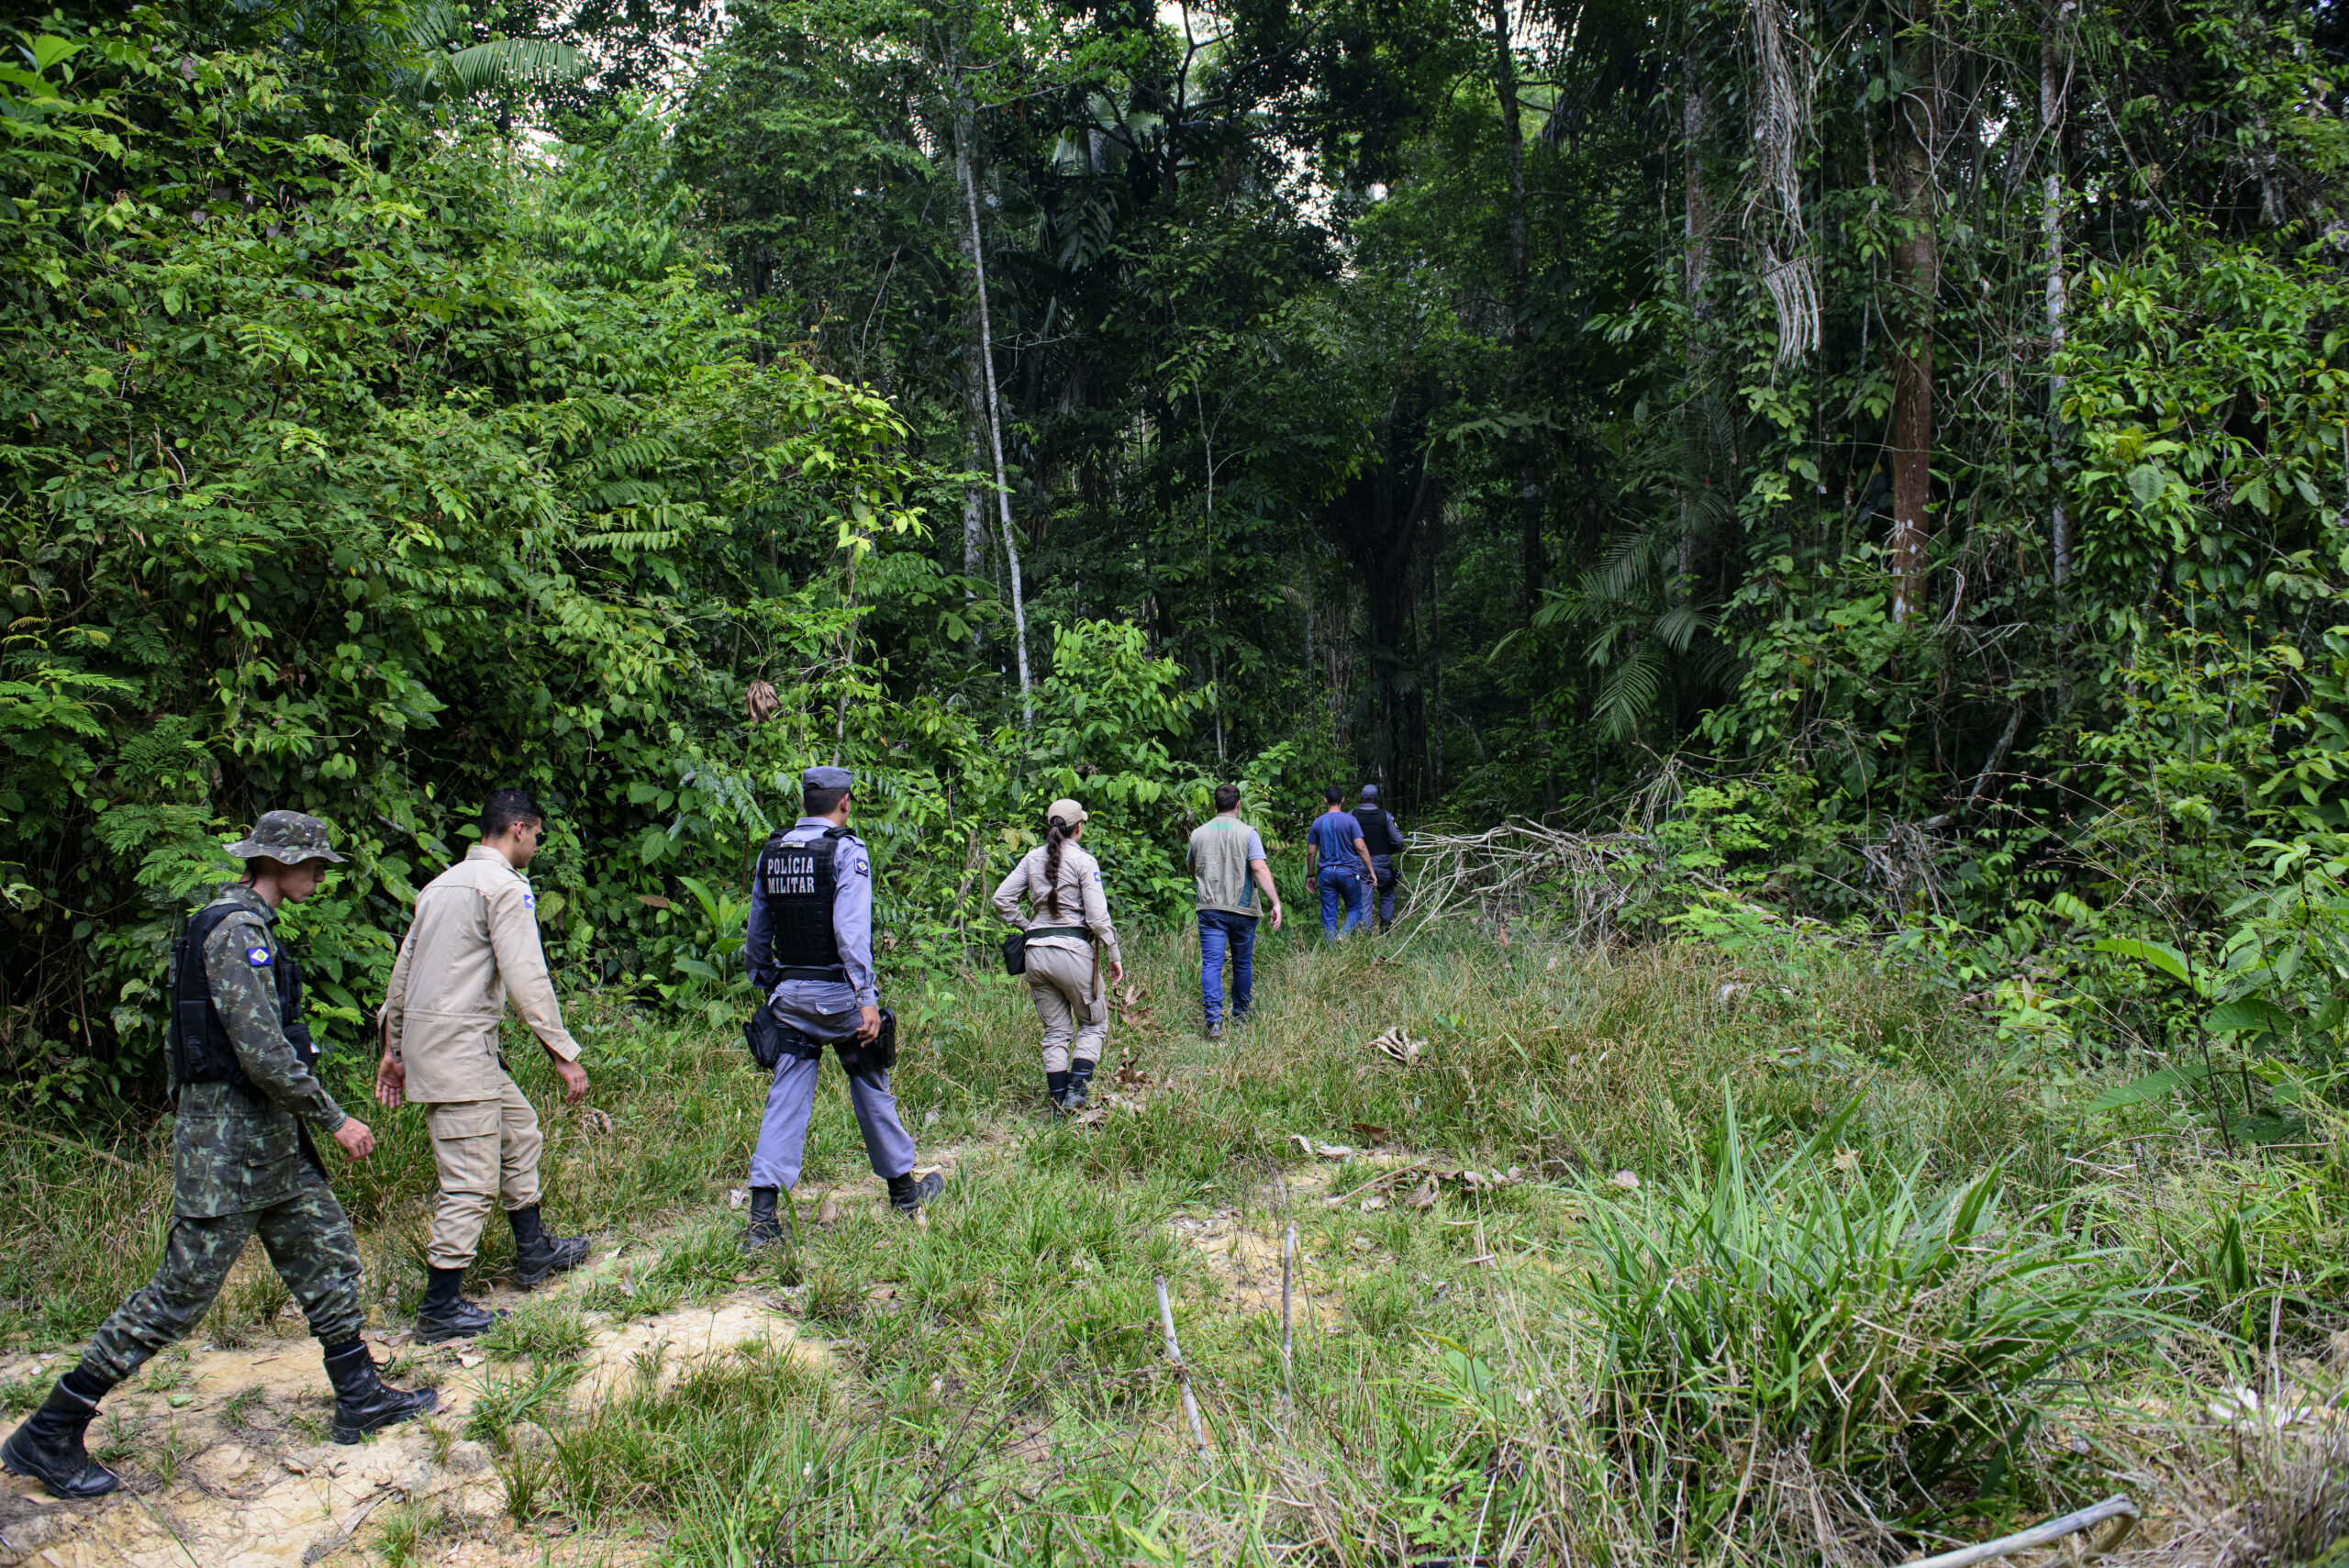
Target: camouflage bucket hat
[{"x": 289, "y": 838}]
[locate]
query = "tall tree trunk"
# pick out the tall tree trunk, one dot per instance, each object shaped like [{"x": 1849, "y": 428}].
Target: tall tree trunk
[
  {"x": 1532, "y": 557},
  {"x": 2054, "y": 70},
  {"x": 973, "y": 247},
  {"x": 1696, "y": 281},
  {"x": 1916, "y": 276},
  {"x": 975, "y": 517}
]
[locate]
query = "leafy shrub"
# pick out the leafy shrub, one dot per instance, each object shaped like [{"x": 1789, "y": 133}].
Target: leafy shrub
[{"x": 1902, "y": 1339}]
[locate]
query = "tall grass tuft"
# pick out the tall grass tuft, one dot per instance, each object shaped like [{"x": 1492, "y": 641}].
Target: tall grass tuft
[{"x": 1776, "y": 1323}]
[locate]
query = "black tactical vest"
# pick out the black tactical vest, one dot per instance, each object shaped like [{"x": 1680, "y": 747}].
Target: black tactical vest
[
  {"x": 799, "y": 883},
  {"x": 197, "y": 1041},
  {"x": 1378, "y": 833}
]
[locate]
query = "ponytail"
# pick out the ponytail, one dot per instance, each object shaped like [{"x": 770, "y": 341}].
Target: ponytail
[{"x": 1054, "y": 836}]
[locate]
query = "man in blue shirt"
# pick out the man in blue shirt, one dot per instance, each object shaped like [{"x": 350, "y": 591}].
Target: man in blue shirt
[
  {"x": 810, "y": 949},
  {"x": 1338, "y": 863}
]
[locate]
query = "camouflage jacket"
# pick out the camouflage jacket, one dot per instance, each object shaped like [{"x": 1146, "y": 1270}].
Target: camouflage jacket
[{"x": 235, "y": 1149}]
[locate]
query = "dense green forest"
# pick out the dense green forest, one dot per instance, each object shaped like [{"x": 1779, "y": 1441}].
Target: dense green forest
[{"x": 1886, "y": 460}]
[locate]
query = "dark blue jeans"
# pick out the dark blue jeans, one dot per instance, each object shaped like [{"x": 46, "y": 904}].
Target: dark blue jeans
[
  {"x": 1383, "y": 895},
  {"x": 1217, "y": 932},
  {"x": 1343, "y": 887}
]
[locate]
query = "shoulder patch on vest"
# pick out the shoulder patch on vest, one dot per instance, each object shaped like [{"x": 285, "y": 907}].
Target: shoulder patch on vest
[{"x": 257, "y": 956}]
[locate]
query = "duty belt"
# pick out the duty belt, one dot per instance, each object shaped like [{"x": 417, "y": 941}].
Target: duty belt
[
  {"x": 837, "y": 971},
  {"x": 1035, "y": 931}
]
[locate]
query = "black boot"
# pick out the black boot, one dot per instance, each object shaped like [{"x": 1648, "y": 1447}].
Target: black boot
[
  {"x": 445, "y": 1314},
  {"x": 1056, "y": 1090},
  {"x": 47, "y": 1447},
  {"x": 909, "y": 1193},
  {"x": 537, "y": 1255},
  {"x": 764, "y": 1230},
  {"x": 1080, "y": 1084},
  {"x": 362, "y": 1402}
]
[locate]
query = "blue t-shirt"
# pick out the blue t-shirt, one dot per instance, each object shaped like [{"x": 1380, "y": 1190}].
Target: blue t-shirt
[{"x": 1332, "y": 835}]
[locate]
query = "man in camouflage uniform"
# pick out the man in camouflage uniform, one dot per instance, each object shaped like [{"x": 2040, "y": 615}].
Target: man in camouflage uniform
[{"x": 242, "y": 1164}]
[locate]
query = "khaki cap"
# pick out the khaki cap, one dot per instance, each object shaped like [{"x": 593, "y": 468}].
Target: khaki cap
[
  {"x": 288, "y": 838},
  {"x": 1068, "y": 811}
]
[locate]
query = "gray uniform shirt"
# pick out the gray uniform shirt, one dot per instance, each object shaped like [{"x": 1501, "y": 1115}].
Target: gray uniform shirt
[{"x": 823, "y": 1009}]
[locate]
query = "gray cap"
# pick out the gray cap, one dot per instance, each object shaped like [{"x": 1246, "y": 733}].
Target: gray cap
[
  {"x": 1370, "y": 792},
  {"x": 827, "y": 778},
  {"x": 289, "y": 838}
]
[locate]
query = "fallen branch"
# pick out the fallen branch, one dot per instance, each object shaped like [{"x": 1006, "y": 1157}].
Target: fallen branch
[
  {"x": 1182, "y": 1373},
  {"x": 2115, "y": 1506}
]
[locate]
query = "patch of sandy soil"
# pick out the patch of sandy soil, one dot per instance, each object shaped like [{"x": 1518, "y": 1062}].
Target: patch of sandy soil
[
  {"x": 229, "y": 1463},
  {"x": 253, "y": 1483}
]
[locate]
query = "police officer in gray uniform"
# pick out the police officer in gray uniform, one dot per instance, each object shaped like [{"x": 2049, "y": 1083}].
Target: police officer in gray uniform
[{"x": 810, "y": 949}]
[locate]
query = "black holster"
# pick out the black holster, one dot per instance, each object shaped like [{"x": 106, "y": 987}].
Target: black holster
[{"x": 858, "y": 1060}]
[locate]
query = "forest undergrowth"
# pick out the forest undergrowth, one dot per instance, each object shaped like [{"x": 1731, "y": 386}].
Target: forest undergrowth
[{"x": 1626, "y": 1257}]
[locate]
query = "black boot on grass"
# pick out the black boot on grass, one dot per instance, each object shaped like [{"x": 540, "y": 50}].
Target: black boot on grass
[
  {"x": 361, "y": 1402},
  {"x": 909, "y": 1193},
  {"x": 764, "y": 1230},
  {"x": 1056, "y": 1090},
  {"x": 47, "y": 1447},
  {"x": 445, "y": 1314},
  {"x": 537, "y": 1255},
  {"x": 1080, "y": 1084}
]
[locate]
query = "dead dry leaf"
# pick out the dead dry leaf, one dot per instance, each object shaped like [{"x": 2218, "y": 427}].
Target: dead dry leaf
[
  {"x": 827, "y": 1213},
  {"x": 1423, "y": 1196}
]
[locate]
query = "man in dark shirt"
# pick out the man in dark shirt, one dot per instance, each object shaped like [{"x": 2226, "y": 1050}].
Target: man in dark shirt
[
  {"x": 1337, "y": 862},
  {"x": 1384, "y": 837}
]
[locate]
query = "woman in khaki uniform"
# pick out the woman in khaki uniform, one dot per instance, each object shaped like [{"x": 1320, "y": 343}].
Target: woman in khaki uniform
[{"x": 1071, "y": 948}]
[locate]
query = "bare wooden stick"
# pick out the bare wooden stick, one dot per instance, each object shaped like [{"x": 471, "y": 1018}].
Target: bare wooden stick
[
  {"x": 2115, "y": 1506},
  {"x": 1182, "y": 1373},
  {"x": 1288, "y": 1283}
]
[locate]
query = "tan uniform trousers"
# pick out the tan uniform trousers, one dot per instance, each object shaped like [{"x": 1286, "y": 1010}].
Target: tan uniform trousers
[
  {"x": 1065, "y": 986},
  {"x": 488, "y": 1151}
]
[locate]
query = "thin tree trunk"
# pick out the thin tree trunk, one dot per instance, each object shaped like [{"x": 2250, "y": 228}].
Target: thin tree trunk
[
  {"x": 2053, "y": 68},
  {"x": 1916, "y": 273},
  {"x": 1532, "y": 557},
  {"x": 976, "y": 248},
  {"x": 974, "y": 524},
  {"x": 1214, "y": 653}
]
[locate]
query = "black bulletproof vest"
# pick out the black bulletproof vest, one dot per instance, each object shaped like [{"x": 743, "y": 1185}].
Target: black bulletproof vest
[
  {"x": 798, "y": 884},
  {"x": 1377, "y": 831},
  {"x": 197, "y": 1042}
]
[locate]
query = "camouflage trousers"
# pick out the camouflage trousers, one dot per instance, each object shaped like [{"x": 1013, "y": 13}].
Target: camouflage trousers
[{"x": 309, "y": 1243}]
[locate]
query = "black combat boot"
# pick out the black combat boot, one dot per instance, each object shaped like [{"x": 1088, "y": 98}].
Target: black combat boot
[
  {"x": 764, "y": 1230},
  {"x": 1056, "y": 1090},
  {"x": 909, "y": 1193},
  {"x": 47, "y": 1447},
  {"x": 362, "y": 1402},
  {"x": 444, "y": 1314},
  {"x": 1080, "y": 1084},
  {"x": 537, "y": 1255}
]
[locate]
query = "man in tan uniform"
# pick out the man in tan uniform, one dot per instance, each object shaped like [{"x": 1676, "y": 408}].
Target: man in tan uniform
[{"x": 473, "y": 944}]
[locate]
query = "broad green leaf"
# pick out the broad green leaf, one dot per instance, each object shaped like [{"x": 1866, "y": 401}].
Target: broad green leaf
[
  {"x": 2151, "y": 1087},
  {"x": 2161, "y": 956}
]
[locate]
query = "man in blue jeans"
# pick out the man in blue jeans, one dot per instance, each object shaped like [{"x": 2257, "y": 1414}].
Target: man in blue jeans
[
  {"x": 1338, "y": 863},
  {"x": 1225, "y": 856}
]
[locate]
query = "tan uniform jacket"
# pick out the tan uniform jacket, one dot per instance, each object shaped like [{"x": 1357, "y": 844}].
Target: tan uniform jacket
[
  {"x": 1082, "y": 902},
  {"x": 475, "y": 942}
]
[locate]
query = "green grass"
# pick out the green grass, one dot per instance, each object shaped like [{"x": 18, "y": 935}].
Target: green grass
[{"x": 1829, "y": 1310}]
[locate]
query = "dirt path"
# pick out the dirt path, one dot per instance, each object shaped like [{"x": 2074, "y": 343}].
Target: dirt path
[
  {"x": 227, "y": 1463},
  {"x": 231, "y": 1466}
]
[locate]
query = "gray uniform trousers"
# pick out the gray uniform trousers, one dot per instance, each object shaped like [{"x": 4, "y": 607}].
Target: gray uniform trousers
[{"x": 823, "y": 1011}]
